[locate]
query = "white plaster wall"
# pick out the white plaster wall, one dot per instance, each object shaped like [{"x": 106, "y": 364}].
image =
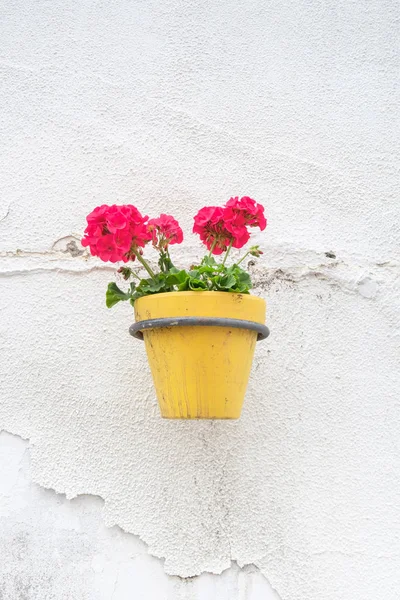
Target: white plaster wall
[{"x": 171, "y": 106}]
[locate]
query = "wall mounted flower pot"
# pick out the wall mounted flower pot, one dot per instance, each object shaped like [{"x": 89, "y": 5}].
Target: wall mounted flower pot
[{"x": 200, "y": 347}]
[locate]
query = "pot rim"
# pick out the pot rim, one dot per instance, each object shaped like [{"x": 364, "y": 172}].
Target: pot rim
[
  {"x": 201, "y": 304},
  {"x": 199, "y": 293}
]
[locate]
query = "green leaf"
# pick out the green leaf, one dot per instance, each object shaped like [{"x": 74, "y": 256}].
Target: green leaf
[
  {"x": 195, "y": 273},
  {"x": 224, "y": 282},
  {"x": 135, "y": 297},
  {"x": 243, "y": 278},
  {"x": 115, "y": 295},
  {"x": 209, "y": 261},
  {"x": 244, "y": 283},
  {"x": 156, "y": 286},
  {"x": 148, "y": 287},
  {"x": 197, "y": 284},
  {"x": 152, "y": 285},
  {"x": 206, "y": 270},
  {"x": 176, "y": 277},
  {"x": 209, "y": 275},
  {"x": 184, "y": 286}
]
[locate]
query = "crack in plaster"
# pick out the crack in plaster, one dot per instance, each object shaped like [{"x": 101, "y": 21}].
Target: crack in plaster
[
  {"x": 4, "y": 217},
  {"x": 362, "y": 278},
  {"x": 115, "y": 586},
  {"x": 245, "y": 568},
  {"x": 345, "y": 279}
]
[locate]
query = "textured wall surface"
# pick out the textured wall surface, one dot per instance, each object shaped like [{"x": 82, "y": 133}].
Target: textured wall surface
[{"x": 170, "y": 106}]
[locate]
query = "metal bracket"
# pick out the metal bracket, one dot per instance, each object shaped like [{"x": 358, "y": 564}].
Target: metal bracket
[{"x": 136, "y": 330}]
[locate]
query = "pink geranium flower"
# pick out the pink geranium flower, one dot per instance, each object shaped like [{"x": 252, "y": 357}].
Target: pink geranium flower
[
  {"x": 245, "y": 211},
  {"x": 115, "y": 233},
  {"x": 165, "y": 231},
  {"x": 216, "y": 232},
  {"x": 209, "y": 225}
]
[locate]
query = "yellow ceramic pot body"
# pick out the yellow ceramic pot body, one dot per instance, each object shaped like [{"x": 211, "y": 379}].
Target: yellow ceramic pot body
[{"x": 200, "y": 372}]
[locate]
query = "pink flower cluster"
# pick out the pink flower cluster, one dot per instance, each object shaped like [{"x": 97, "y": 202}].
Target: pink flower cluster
[
  {"x": 116, "y": 233},
  {"x": 119, "y": 233},
  {"x": 220, "y": 227},
  {"x": 165, "y": 231}
]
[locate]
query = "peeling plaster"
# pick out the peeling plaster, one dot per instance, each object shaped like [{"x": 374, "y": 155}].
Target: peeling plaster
[
  {"x": 350, "y": 276},
  {"x": 69, "y": 244},
  {"x": 57, "y": 548}
]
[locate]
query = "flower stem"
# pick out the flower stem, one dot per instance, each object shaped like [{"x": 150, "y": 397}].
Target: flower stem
[
  {"x": 144, "y": 263},
  {"x": 227, "y": 252},
  {"x": 243, "y": 257},
  {"x": 169, "y": 259},
  {"x": 212, "y": 248}
]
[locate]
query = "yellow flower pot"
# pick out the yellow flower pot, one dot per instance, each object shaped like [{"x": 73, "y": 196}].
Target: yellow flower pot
[{"x": 200, "y": 369}]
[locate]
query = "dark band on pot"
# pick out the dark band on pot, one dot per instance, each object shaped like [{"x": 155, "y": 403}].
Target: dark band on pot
[{"x": 136, "y": 330}]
